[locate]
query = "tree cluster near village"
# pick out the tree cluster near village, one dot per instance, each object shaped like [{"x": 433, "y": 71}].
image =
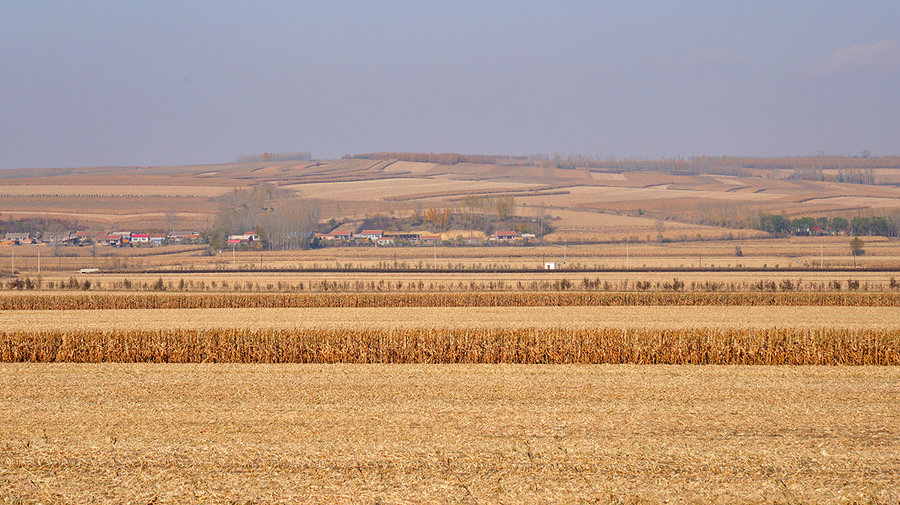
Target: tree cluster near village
[
  {"x": 884, "y": 226},
  {"x": 282, "y": 222}
]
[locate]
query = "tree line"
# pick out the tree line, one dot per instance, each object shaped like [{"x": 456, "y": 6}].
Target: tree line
[{"x": 859, "y": 225}]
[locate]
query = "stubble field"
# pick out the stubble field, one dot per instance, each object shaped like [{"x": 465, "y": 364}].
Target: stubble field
[
  {"x": 386, "y": 318},
  {"x": 138, "y": 433}
]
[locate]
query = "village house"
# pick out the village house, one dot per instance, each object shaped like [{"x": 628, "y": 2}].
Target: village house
[
  {"x": 140, "y": 238},
  {"x": 399, "y": 238},
  {"x": 338, "y": 235},
  {"x": 109, "y": 240},
  {"x": 249, "y": 239},
  {"x": 370, "y": 234},
  {"x": 124, "y": 237},
  {"x": 157, "y": 238},
  {"x": 505, "y": 235},
  {"x": 19, "y": 238},
  {"x": 430, "y": 239},
  {"x": 185, "y": 237}
]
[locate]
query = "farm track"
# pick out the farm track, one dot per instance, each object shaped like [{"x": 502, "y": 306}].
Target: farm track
[{"x": 90, "y": 301}]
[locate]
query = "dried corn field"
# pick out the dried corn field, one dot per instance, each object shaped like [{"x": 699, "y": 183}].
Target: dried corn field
[
  {"x": 733, "y": 346},
  {"x": 67, "y": 301}
]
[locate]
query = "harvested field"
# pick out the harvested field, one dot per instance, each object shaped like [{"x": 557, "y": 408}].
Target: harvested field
[
  {"x": 100, "y": 190},
  {"x": 808, "y": 252},
  {"x": 400, "y": 188},
  {"x": 695, "y": 346},
  {"x": 140, "y": 433},
  {"x": 386, "y": 318}
]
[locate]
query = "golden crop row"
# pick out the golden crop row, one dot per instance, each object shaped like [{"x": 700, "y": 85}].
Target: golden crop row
[
  {"x": 734, "y": 346},
  {"x": 370, "y": 300}
]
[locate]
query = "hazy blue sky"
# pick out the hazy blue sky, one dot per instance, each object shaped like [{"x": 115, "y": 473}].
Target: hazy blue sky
[{"x": 165, "y": 82}]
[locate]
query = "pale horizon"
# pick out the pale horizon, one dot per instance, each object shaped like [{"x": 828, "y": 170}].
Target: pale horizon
[{"x": 112, "y": 84}]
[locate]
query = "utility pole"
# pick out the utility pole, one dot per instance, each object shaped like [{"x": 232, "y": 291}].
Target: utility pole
[
  {"x": 39, "y": 259},
  {"x": 233, "y": 257},
  {"x": 434, "y": 248},
  {"x": 822, "y": 253},
  {"x": 12, "y": 248}
]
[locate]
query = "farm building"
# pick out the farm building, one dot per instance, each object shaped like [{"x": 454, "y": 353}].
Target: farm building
[
  {"x": 245, "y": 239},
  {"x": 402, "y": 237},
  {"x": 185, "y": 237},
  {"x": 338, "y": 235},
  {"x": 19, "y": 238},
  {"x": 140, "y": 238},
  {"x": 109, "y": 240},
  {"x": 505, "y": 235},
  {"x": 370, "y": 234}
]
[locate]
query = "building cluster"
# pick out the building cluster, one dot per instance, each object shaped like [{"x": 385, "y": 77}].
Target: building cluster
[
  {"x": 109, "y": 239},
  {"x": 380, "y": 237},
  {"x": 251, "y": 239}
]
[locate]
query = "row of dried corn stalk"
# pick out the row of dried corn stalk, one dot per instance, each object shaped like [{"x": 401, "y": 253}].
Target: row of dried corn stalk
[
  {"x": 514, "y": 299},
  {"x": 735, "y": 346}
]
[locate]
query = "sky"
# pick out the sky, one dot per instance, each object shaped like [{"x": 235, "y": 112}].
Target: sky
[{"x": 187, "y": 82}]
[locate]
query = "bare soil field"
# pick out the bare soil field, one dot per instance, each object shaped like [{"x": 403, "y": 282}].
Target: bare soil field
[
  {"x": 351, "y": 189},
  {"x": 448, "y": 434},
  {"x": 99, "y": 190},
  {"x": 403, "y": 188}
]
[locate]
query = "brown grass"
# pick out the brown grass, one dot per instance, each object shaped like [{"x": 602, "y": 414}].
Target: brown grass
[
  {"x": 732, "y": 346},
  {"x": 140, "y": 433}
]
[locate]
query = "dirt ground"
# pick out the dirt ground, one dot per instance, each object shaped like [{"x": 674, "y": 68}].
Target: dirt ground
[
  {"x": 665, "y": 317},
  {"x": 140, "y": 433}
]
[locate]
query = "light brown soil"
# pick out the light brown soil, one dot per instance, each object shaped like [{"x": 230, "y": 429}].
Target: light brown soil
[{"x": 448, "y": 434}]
